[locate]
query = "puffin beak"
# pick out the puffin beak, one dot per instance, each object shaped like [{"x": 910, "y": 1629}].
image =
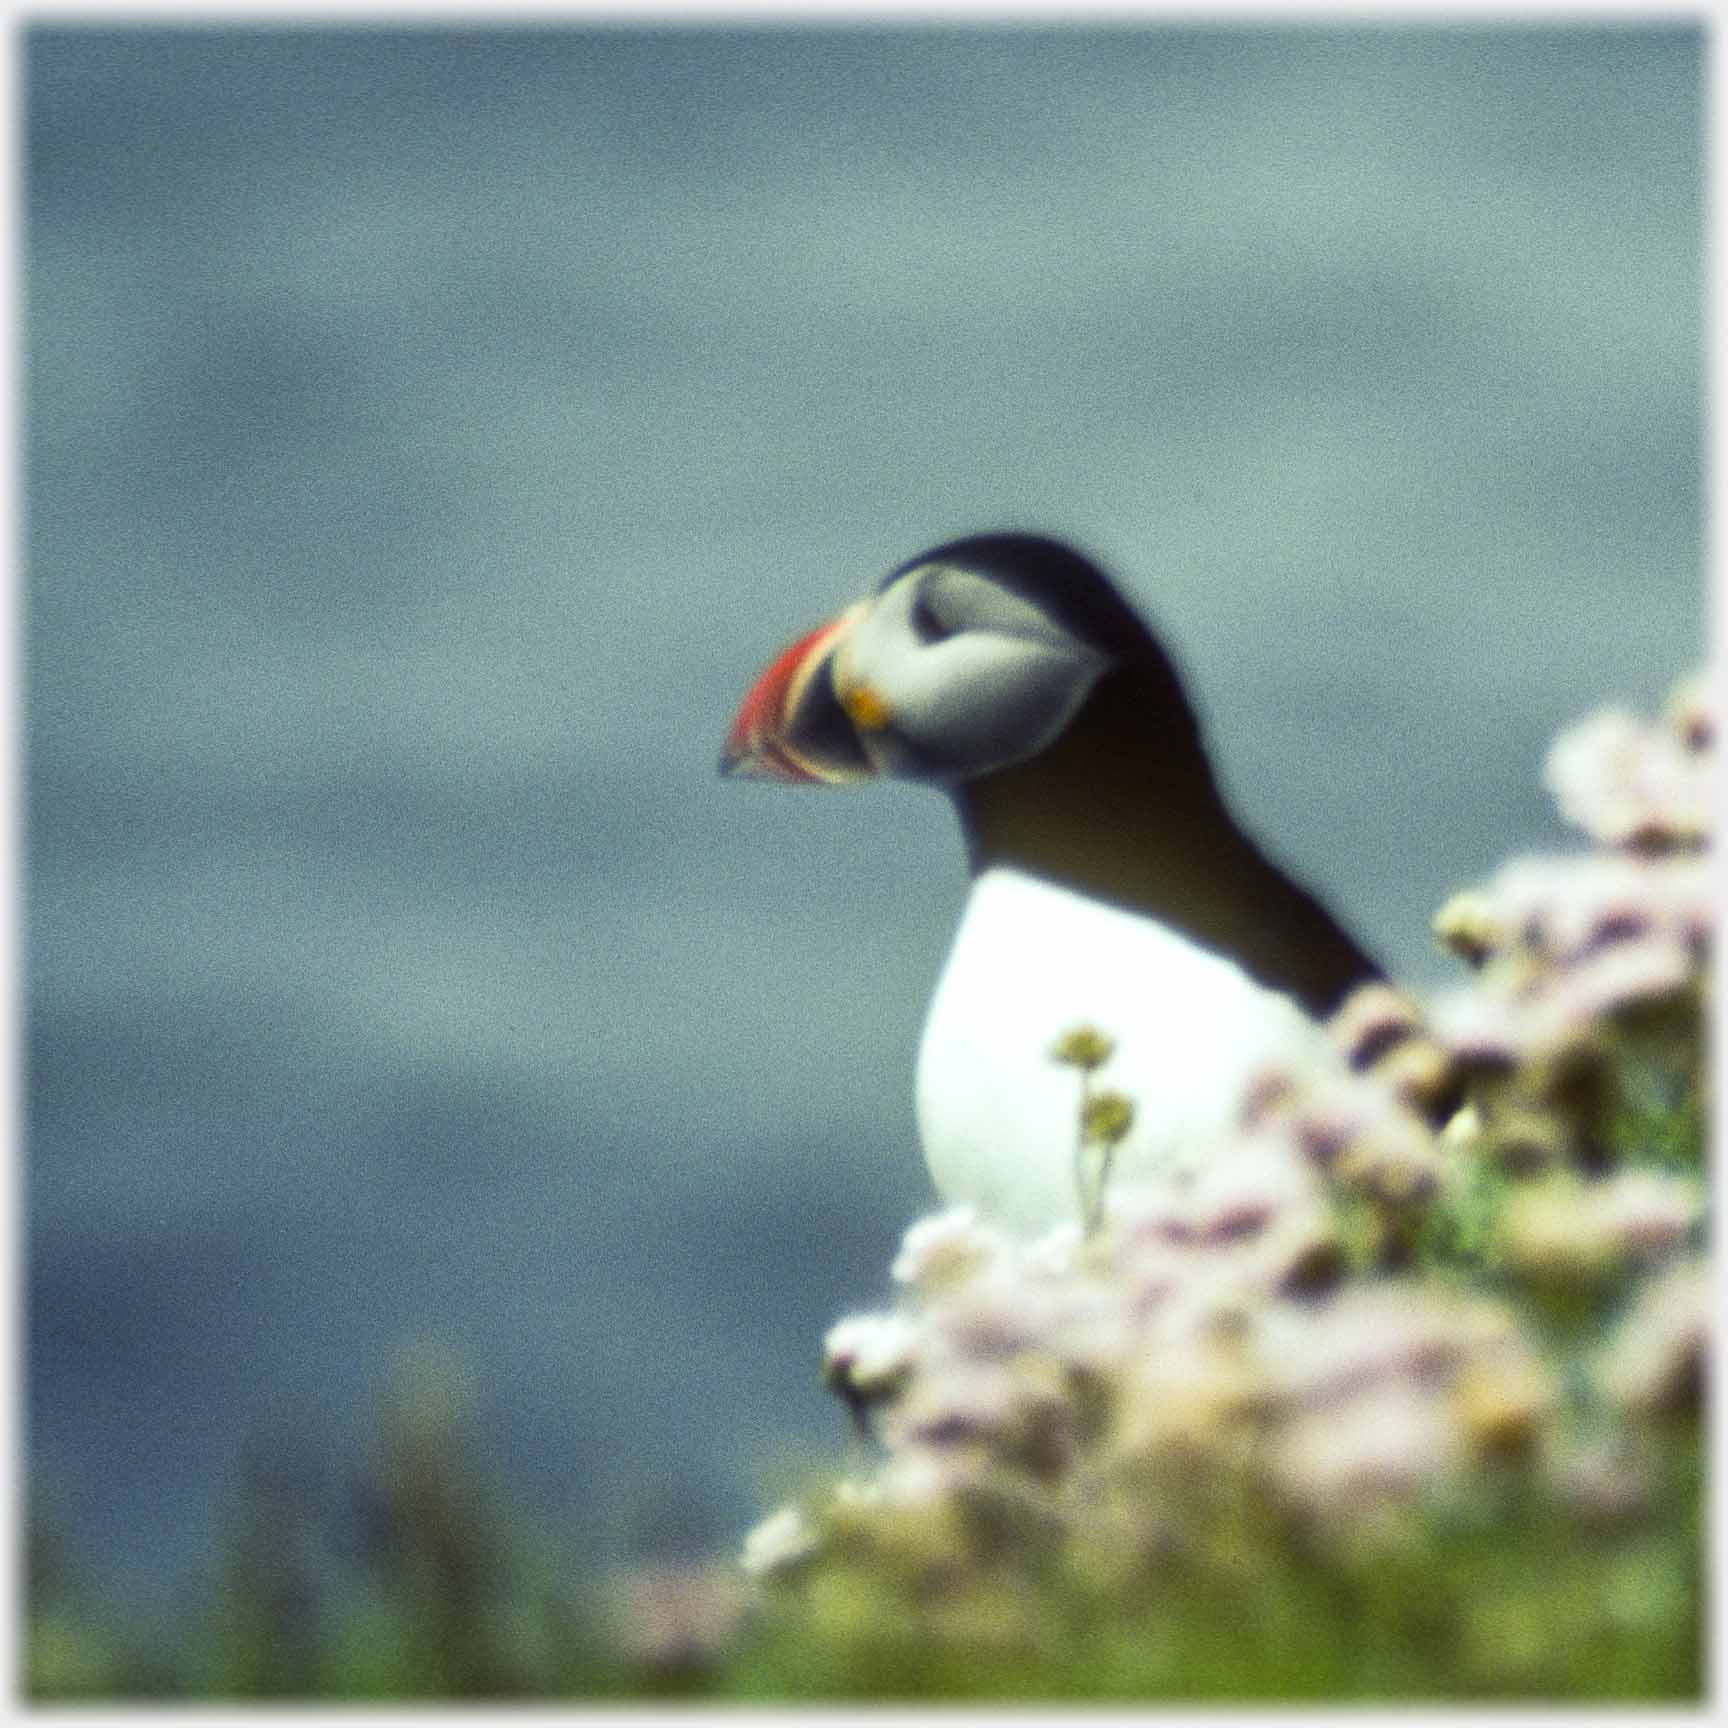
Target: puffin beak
[{"x": 790, "y": 726}]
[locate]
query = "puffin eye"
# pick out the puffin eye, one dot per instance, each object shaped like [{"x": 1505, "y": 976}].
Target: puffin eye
[{"x": 926, "y": 626}]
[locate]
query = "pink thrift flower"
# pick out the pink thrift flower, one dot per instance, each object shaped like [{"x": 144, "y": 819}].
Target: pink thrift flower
[
  {"x": 677, "y": 1615},
  {"x": 1391, "y": 1443},
  {"x": 1657, "y": 1360},
  {"x": 1627, "y": 784},
  {"x": 1650, "y": 1214},
  {"x": 945, "y": 1249},
  {"x": 779, "y": 1542},
  {"x": 1691, "y": 712},
  {"x": 1623, "y": 977},
  {"x": 871, "y": 1354}
]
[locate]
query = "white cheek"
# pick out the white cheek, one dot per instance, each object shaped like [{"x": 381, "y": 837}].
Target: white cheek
[{"x": 988, "y": 700}]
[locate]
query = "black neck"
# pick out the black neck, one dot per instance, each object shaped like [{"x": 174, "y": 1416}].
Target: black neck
[{"x": 1123, "y": 807}]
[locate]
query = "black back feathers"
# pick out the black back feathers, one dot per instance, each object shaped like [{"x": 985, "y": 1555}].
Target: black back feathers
[{"x": 1124, "y": 806}]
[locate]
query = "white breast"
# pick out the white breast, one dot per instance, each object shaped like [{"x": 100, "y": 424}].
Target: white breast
[{"x": 1031, "y": 960}]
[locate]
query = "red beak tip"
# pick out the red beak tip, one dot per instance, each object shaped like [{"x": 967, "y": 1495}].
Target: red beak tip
[{"x": 753, "y": 747}]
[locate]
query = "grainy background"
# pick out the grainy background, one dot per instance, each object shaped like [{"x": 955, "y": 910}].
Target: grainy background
[{"x": 429, "y": 433}]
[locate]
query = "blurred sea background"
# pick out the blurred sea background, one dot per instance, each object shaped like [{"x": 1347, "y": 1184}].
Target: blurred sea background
[{"x": 429, "y": 432}]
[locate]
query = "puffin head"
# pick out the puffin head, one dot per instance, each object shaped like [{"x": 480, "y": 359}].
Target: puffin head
[{"x": 970, "y": 658}]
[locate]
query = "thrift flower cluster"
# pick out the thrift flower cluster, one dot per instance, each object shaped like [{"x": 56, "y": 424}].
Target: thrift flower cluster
[{"x": 1459, "y": 1271}]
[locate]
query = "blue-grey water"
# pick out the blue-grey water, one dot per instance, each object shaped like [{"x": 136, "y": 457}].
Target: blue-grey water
[{"x": 428, "y": 434}]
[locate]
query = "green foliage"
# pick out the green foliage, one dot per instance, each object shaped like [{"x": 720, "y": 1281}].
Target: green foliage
[
  {"x": 1473, "y": 1616},
  {"x": 443, "y": 1591},
  {"x": 1657, "y": 1116}
]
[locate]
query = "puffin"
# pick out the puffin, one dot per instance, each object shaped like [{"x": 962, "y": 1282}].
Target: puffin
[{"x": 1111, "y": 886}]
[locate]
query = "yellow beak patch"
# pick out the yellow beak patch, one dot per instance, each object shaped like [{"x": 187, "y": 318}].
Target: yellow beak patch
[{"x": 865, "y": 709}]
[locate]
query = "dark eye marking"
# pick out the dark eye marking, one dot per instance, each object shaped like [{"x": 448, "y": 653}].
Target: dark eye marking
[{"x": 926, "y": 626}]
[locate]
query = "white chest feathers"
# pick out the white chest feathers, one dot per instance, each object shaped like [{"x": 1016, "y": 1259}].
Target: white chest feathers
[{"x": 999, "y": 1118}]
